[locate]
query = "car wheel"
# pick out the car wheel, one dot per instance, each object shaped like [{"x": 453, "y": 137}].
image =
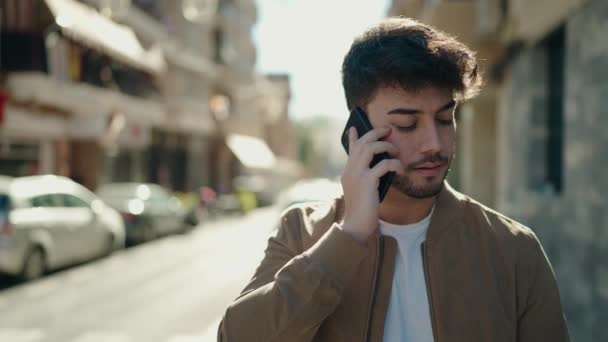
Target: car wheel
[{"x": 34, "y": 266}]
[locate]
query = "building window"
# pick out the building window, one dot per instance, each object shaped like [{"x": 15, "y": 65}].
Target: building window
[
  {"x": 555, "y": 47},
  {"x": 546, "y": 134},
  {"x": 218, "y": 43},
  {"x": 19, "y": 15}
]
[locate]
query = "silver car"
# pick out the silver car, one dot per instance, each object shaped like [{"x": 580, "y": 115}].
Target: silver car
[
  {"x": 148, "y": 210},
  {"x": 48, "y": 222}
]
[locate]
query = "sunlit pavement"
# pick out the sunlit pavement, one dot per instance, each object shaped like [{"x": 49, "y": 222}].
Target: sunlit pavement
[{"x": 171, "y": 290}]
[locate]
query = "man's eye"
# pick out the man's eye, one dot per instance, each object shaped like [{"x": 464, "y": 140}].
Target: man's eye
[
  {"x": 445, "y": 122},
  {"x": 405, "y": 128}
]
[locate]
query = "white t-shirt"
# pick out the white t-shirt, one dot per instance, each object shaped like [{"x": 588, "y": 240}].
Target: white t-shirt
[{"x": 408, "y": 318}]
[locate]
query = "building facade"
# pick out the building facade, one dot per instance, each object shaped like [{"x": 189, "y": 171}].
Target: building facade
[
  {"x": 97, "y": 91},
  {"x": 534, "y": 145},
  {"x": 153, "y": 100}
]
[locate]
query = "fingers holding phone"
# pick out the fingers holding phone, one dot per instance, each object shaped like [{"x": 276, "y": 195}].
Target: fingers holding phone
[
  {"x": 361, "y": 182},
  {"x": 364, "y": 149}
]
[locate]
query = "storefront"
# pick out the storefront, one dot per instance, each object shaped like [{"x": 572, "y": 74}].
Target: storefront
[{"x": 260, "y": 171}]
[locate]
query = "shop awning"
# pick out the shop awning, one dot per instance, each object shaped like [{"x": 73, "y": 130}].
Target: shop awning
[
  {"x": 84, "y": 24},
  {"x": 177, "y": 54},
  {"x": 252, "y": 152}
]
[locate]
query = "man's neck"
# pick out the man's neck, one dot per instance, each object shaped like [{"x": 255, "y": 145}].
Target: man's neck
[{"x": 398, "y": 208}]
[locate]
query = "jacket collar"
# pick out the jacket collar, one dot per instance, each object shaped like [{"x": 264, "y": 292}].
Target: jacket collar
[{"x": 447, "y": 210}]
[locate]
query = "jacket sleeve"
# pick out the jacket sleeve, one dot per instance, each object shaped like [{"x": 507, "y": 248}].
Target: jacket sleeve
[
  {"x": 293, "y": 291},
  {"x": 541, "y": 316}
]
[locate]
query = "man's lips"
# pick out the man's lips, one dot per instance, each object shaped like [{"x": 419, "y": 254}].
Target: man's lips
[
  {"x": 429, "y": 166},
  {"x": 429, "y": 169}
]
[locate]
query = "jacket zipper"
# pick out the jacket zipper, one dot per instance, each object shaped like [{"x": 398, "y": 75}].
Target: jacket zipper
[
  {"x": 429, "y": 291},
  {"x": 374, "y": 287}
]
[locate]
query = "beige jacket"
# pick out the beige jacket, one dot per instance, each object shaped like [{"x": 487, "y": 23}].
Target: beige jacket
[{"x": 488, "y": 279}]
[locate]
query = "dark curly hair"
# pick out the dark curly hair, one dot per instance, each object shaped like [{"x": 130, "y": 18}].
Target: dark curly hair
[{"x": 402, "y": 52}]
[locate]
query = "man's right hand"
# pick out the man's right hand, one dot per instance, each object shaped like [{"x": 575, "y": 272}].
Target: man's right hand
[{"x": 360, "y": 183}]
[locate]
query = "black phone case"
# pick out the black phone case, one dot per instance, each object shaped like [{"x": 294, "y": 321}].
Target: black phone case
[{"x": 358, "y": 118}]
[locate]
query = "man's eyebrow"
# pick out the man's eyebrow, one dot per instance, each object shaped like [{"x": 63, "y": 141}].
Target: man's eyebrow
[
  {"x": 404, "y": 111},
  {"x": 412, "y": 111}
]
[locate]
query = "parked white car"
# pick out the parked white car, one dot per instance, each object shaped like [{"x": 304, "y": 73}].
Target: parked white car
[{"x": 48, "y": 222}]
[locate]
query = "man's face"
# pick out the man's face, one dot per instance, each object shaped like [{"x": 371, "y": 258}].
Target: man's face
[{"x": 423, "y": 130}]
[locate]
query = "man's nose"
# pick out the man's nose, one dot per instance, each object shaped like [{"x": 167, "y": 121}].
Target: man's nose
[{"x": 430, "y": 143}]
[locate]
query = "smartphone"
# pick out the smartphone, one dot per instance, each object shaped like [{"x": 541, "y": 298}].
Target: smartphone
[{"x": 358, "y": 118}]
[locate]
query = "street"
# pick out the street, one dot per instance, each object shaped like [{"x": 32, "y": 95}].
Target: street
[{"x": 171, "y": 290}]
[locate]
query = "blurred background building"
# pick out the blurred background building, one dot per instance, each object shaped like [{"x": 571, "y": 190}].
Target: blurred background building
[
  {"x": 534, "y": 143},
  {"x": 140, "y": 90}
]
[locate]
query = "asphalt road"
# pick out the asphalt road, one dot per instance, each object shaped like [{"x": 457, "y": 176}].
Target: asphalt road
[{"x": 171, "y": 290}]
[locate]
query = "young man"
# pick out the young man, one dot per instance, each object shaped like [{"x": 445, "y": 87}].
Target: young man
[{"x": 425, "y": 264}]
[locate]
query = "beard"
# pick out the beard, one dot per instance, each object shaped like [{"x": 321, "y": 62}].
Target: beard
[{"x": 430, "y": 186}]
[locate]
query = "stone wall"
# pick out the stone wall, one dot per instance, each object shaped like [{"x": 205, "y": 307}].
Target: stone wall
[{"x": 572, "y": 223}]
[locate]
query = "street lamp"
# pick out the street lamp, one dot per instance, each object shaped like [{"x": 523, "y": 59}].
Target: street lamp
[
  {"x": 220, "y": 107},
  {"x": 199, "y": 11}
]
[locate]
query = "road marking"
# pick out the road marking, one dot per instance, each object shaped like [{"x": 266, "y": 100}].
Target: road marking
[
  {"x": 21, "y": 335},
  {"x": 103, "y": 336}
]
